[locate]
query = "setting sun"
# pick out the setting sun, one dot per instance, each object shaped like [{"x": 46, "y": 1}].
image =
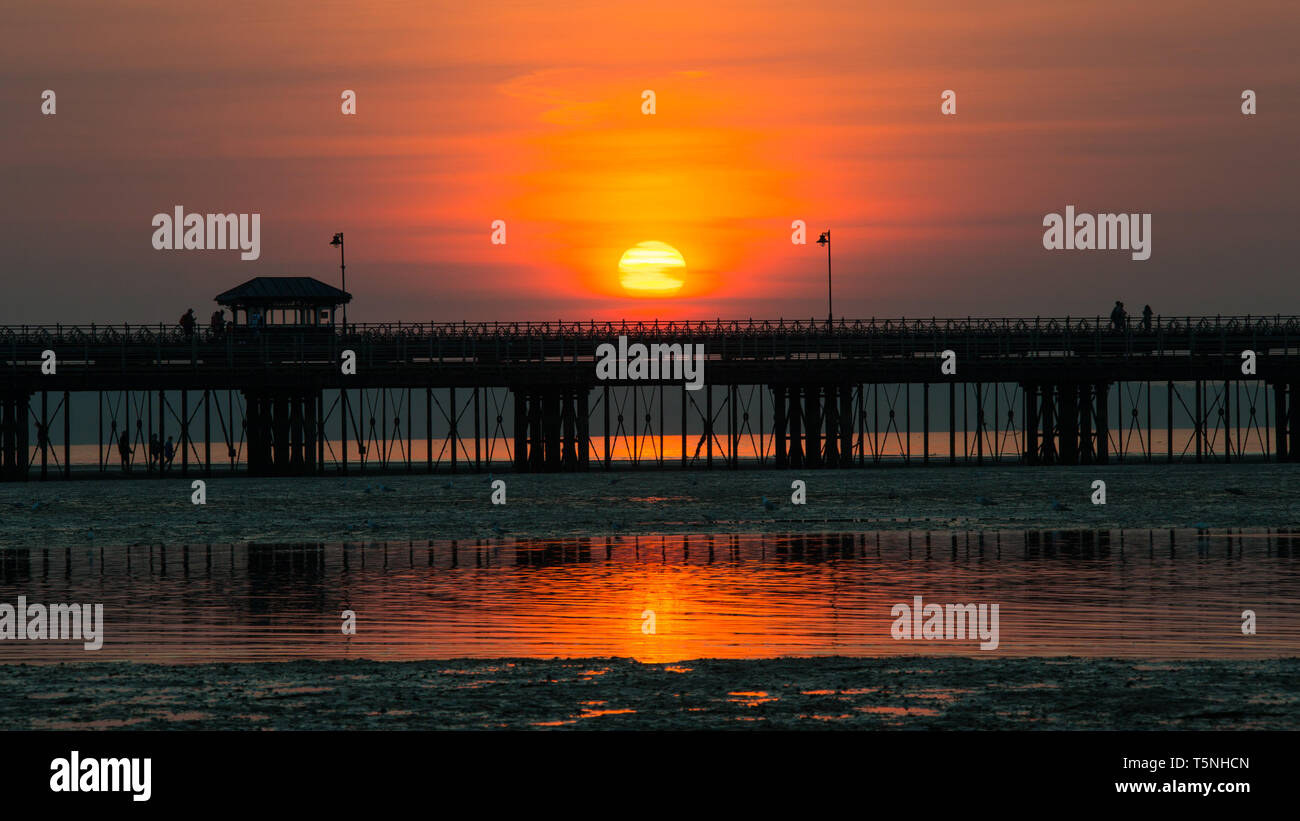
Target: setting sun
[{"x": 651, "y": 269}]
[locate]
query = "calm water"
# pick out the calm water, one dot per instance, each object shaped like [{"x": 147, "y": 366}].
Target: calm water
[{"x": 1158, "y": 594}]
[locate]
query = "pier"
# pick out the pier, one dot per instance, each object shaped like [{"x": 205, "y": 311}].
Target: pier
[{"x": 274, "y": 399}]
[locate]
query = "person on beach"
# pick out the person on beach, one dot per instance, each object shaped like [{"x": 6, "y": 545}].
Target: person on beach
[
  {"x": 1118, "y": 318},
  {"x": 124, "y": 450},
  {"x": 169, "y": 451},
  {"x": 155, "y": 451}
]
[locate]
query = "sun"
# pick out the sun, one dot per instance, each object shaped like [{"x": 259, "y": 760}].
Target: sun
[{"x": 651, "y": 269}]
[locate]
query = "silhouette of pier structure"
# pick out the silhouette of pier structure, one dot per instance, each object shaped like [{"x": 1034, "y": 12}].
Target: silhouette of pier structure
[{"x": 273, "y": 399}]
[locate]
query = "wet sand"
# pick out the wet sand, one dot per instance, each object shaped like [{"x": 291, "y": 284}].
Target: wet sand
[
  {"x": 910, "y": 693},
  {"x": 414, "y": 506}
]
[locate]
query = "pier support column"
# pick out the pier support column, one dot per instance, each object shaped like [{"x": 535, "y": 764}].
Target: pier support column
[
  {"x": 14, "y": 444},
  {"x": 1066, "y": 424},
  {"x": 1031, "y": 422},
  {"x": 551, "y": 428},
  {"x": 813, "y": 425},
  {"x": 846, "y": 425},
  {"x": 1292, "y": 422},
  {"x": 281, "y": 437},
  {"x": 521, "y": 429},
  {"x": 1087, "y": 444},
  {"x": 831, "y": 417},
  {"x": 779, "y": 425},
  {"x": 1102, "y": 419},
  {"x": 795, "y": 416},
  {"x": 812, "y": 418}
]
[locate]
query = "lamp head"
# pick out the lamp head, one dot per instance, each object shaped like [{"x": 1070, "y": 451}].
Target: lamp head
[
  {"x": 825, "y": 238},
  {"x": 338, "y": 239}
]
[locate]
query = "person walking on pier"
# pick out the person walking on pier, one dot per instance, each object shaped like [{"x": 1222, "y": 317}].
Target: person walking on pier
[
  {"x": 1118, "y": 318},
  {"x": 1146, "y": 319},
  {"x": 217, "y": 325},
  {"x": 188, "y": 323}
]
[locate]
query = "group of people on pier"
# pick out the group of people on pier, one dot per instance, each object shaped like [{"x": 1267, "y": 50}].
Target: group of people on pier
[
  {"x": 1119, "y": 318},
  {"x": 189, "y": 323}
]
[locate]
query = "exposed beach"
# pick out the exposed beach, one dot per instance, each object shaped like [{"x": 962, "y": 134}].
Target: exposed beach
[
  {"x": 913, "y": 693},
  {"x": 420, "y": 506}
]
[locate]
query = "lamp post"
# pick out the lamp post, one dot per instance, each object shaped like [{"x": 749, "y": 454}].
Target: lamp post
[
  {"x": 825, "y": 239},
  {"x": 338, "y": 240}
]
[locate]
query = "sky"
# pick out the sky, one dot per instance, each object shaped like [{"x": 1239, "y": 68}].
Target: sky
[{"x": 765, "y": 113}]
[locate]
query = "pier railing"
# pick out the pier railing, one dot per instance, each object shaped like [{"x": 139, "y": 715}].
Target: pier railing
[
  {"x": 1267, "y": 325},
  {"x": 1033, "y": 341},
  {"x": 737, "y": 338}
]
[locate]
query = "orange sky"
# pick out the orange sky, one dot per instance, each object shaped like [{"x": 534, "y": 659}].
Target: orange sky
[{"x": 766, "y": 113}]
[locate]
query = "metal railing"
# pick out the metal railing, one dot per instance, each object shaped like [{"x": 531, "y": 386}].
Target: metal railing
[
  {"x": 603, "y": 329},
  {"x": 141, "y": 348}
]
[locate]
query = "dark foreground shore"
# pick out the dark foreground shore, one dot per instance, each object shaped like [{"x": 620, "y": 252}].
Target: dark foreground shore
[{"x": 909, "y": 693}]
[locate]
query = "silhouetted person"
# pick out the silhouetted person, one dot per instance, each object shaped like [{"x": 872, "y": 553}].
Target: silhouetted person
[
  {"x": 155, "y": 450},
  {"x": 169, "y": 451},
  {"x": 188, "y": 323},
  {"x": 1118, "y": 318},
  {"x": 1146, "y": 319},
  {"x": 42, "y": 436},
  {"x": 217, "y": 325},
  {"x": 124, "y": 450}
]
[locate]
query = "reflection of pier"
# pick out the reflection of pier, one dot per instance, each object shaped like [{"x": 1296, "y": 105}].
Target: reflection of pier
[
  {"x": 297, "y": 575},
  {"x": 273, "y": 399}
]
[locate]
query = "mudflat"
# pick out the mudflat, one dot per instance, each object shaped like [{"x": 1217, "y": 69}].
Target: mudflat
[
  {"x": 914, "y": 692},
  {"x": 422, "y": 506}
]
